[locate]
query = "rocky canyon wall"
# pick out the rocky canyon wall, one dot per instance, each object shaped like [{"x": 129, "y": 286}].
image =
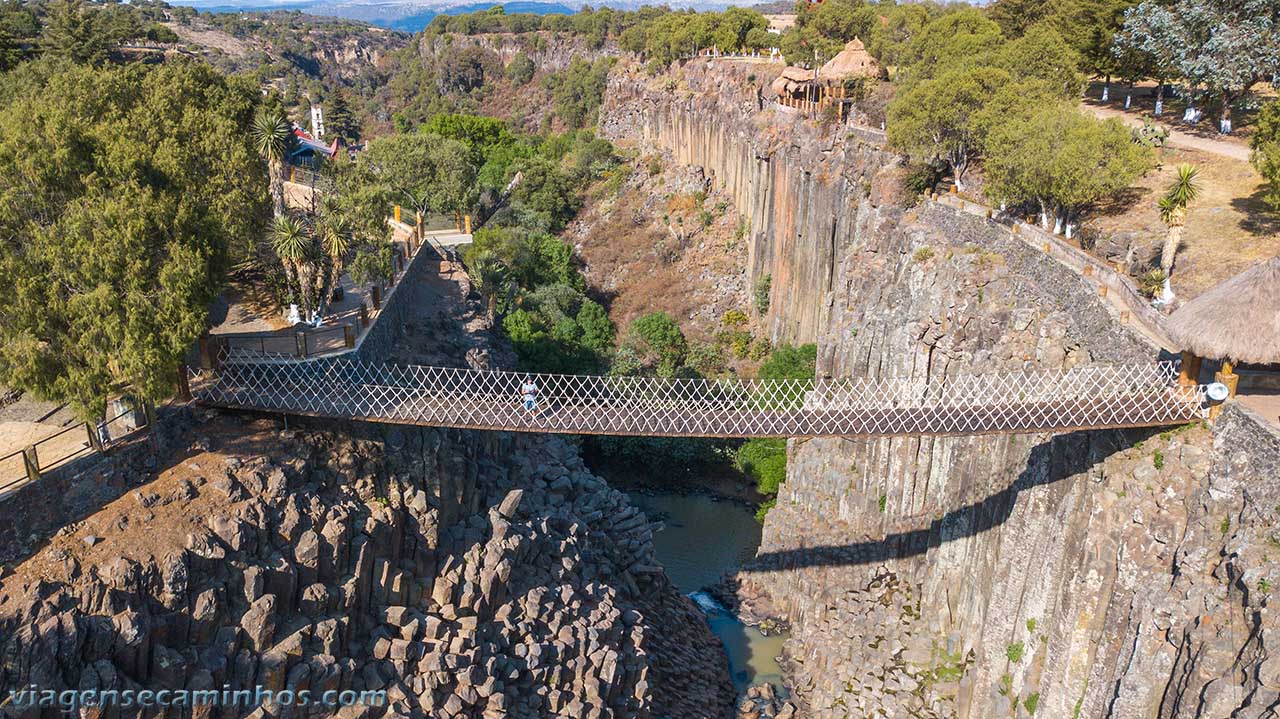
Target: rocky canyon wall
[
  {"x": 466, "y": 574},
  {"x": 1088, "y": 574},
  {"x": 790, "y": 181}
]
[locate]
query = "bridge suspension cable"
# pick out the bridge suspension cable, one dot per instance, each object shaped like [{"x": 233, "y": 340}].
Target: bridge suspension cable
[{"x": 1092, "y": 397}]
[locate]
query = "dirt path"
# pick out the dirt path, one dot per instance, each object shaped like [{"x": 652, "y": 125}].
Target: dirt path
[{"x": 1177, "y": 138}]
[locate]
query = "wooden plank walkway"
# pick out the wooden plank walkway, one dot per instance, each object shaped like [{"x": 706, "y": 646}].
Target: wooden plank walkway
[{"x": 1083, "y": 398}]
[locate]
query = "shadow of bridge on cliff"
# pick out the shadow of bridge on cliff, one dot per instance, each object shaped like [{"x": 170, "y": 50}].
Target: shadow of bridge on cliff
[{"x": 1058, "y": 458}]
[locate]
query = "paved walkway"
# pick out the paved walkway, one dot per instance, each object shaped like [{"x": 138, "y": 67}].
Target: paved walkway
[{"x": 273, "y": 335}]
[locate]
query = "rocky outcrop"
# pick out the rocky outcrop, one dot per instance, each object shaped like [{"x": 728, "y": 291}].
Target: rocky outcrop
[
  {"x": 1121, "y": 580},
  {"x": 1089, "y": 574},
  {"x": 550, "y": 51},
  {"x": 464, "y": 574},
  {"x": 798, "y": 189}
]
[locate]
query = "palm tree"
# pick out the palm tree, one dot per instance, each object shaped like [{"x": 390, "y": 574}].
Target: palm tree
[
  {"x": 291, "y": 242},
  {"x": 1173, "y": 211},
  {"x": 488, "y": 274},
  {"x": 273, "y": 138}
]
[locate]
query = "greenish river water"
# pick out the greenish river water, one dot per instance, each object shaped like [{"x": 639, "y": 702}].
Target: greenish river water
[{"x": 702, "y": 538}]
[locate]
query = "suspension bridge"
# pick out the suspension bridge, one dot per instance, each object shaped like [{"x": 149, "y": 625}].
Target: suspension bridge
[{"x": 1095, "y": 397}]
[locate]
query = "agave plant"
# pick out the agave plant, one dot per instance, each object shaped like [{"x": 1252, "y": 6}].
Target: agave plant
[
  {"x": 273, "y": 138},
  {"x": 1173, "y": 211}
]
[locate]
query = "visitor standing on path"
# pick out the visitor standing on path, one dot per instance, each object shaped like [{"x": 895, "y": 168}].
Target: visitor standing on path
[{"x": 529, "y": 393}]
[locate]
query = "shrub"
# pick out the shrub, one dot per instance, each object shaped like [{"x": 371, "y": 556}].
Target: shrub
[
  {"x": 655, "y": 166},
  {"x": 705, "y": 360},
  {"x": 734, "y": 319},
  {"x": 765, "y": 462},
  {"x": 787, "y": 362},
  {"x": 659, "y": 335},
  {"x": 761, "y": 291},
  {"x": 1014, "y": 652},
  {"x": 1151, "y": 283},
  {"x": 759, "y": 349},
  {"x": 924, "y": 254}
]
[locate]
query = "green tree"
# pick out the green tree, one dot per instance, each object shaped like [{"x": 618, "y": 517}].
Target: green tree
[
  {"x": 482, "y": 135},
  {"x": 19, "y": 30},
  {"x": 1042, "y": 54},
  {"x": 339, "y": 121},
  {"x": 121, "y": 192},
  {"x": 1266, "y": 150},
  {"x": 1062, "y": 160},
  {"x": 422, "y": 171},
  {"x": 935, "y": 121},
  {"x": 521, "y": 69},
  {"x": 1015, "y": 17},
  {"x": 546, "y": 189},
  {"x": 75, "y": 31},
  {"x": 659, "y": 337},
  {"x": 1222, "y": 46},
  {"x": 597, "y": 329},
  {"x": 952, "y": 41}
]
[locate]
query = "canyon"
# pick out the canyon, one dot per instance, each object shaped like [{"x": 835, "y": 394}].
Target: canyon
[
  {"x": 470, "y": 574},
  {"x": 1099, "y": 574}
]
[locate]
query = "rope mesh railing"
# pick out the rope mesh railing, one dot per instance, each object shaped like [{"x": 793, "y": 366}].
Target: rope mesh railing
[{"x": 1028, "y": 401}]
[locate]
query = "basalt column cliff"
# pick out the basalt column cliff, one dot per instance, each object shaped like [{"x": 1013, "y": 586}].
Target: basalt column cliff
[{"x": 1092, "y": 574}]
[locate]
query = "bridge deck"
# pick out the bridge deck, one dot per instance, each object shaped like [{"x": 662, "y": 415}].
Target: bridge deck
[{"x": 1085, "y": 398}]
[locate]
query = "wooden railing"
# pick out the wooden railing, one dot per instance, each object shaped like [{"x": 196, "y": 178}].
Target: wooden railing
[{"x": 30, "y": 463}]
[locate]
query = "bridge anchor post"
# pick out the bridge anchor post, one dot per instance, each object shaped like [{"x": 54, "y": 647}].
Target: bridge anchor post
[{"x": 1227, "y": 376}]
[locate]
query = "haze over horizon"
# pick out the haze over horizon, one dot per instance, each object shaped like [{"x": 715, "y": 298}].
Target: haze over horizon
[{"x": 413, "y": 15}]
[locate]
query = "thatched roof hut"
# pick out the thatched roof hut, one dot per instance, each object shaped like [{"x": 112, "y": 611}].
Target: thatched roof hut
[
  {"x": 793, "y": 80},
  {"x": 1237, "y": 321},
  {"x": 852, "y": 61}
]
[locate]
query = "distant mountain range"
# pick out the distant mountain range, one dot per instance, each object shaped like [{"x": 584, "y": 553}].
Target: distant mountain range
[{"x": 414, "y": 15}]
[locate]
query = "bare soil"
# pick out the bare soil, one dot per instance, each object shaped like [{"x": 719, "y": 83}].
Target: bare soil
[
  {"x": 664, "y": 242},
  {"x": 1228, "y": 229}
]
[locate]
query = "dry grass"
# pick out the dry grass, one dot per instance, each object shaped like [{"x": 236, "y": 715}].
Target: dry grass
[
  {"x": 1228, "y": 229},
  {"x": 642, "y": 260}
]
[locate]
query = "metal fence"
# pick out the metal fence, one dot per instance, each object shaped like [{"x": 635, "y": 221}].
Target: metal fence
[
  {"x": 1044, "y": 400},
  {"x": 63, "y": 447}
]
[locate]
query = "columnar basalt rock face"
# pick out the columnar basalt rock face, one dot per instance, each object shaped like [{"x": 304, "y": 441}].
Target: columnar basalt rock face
[
  {"x": 1092, "y": 574},
  {"x": 466, "y": 574},
  {"x": 802, "y": 194}
]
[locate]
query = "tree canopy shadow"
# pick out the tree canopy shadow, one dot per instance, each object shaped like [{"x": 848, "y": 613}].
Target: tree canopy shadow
[
  {"x": 1060, "y": 457},
  {"x": 1259, "y": 217}
]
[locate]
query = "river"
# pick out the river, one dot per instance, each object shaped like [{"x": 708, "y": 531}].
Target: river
[{"x": 702, "y": 538}]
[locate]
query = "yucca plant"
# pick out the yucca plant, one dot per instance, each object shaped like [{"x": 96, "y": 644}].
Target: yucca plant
[
  {"x": 290, "y": 239},
  {"x": 1173, "y": 212},
  {"x": 489, "y": 275},
  {"x": 335, "y": 233},
  {"x": 273, "y": 138}
]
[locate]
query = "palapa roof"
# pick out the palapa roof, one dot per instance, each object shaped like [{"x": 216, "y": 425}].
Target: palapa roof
[
  {"x": 1239, "y": 320},
  {"x": 792, "y": 79},
  {"x": 852, "y": 61}
]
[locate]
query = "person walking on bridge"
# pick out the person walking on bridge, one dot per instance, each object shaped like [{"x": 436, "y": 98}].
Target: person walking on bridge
[{"x": 529, "y": 393}]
